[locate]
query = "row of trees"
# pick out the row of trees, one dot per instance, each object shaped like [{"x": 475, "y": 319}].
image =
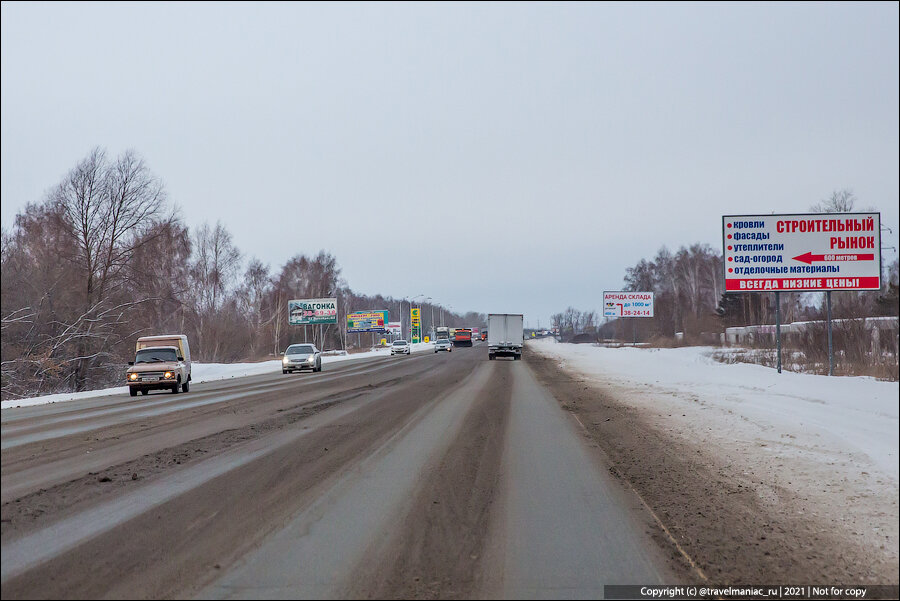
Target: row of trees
[
  {"x": 689, "y": 295},
  {"x": 687, "y": 286},
  {"x": 105, "y": 258}
]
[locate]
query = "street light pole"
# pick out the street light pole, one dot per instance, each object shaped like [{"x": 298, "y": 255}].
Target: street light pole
[{"x": 401, "y": 316}]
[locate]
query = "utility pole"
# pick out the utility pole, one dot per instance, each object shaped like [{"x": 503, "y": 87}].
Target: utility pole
[{"x": 428, "y": 298}]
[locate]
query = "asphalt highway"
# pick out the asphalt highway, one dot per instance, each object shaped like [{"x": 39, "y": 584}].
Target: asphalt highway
[{"x": 435, "y": 475}]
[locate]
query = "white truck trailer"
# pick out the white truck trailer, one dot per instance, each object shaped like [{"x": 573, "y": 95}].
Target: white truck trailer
[{"x": 506, "y": 335}]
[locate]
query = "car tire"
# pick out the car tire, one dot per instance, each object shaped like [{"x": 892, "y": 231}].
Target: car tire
[
  {"x": 177, "y": 387},
  {"x": 185, "y": 387},
  {"x": 490, "y": 357},
  {"x": 145, "y": 392},
  {"x": 132, "y": 391}
]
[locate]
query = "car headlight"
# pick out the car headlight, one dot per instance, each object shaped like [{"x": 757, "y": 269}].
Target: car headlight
[
  {"x": 132, "y": 376},
  {"x": 285, "y": 360},
  {"x": 168, "y": 375},
  {"x": 311, "y": 359}
]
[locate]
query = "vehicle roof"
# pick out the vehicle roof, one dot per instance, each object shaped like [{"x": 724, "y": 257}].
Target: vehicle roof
[
  {"x": 158, "y": 348},
  {"x": 161, "y": 337}
]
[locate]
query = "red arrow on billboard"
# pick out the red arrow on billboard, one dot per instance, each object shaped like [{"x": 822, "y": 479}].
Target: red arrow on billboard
[{"x": 808, "y": 257}]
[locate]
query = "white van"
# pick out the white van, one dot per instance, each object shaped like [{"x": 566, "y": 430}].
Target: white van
[{"x": 164, "y": 364}]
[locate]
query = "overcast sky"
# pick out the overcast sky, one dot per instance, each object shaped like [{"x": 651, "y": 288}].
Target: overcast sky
[{"x": 496, "y": 157}]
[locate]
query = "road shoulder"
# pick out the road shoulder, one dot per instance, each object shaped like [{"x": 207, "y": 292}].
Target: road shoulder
[{"x": 726, "y": 521}]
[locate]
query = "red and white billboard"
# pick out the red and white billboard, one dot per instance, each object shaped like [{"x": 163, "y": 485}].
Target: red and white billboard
[
  {"x": 814, "y": 251},
  {"x": 627, "y": 304}
]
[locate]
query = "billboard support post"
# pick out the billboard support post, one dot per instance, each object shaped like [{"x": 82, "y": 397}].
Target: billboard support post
[
  {"x": 778, "y": 327},
  {"x": 830, "y": 345}
]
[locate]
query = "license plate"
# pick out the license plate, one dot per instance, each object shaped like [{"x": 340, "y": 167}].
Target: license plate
[{"x": 150, "y": 379}]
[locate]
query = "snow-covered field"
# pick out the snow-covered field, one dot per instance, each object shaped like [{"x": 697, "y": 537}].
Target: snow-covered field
[
  {"x": 857, "y": 415},
  {"x": 828, "y": 443},
  {"x": 208, "y": 372}
]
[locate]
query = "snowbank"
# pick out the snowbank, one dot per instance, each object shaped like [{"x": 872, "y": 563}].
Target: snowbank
[
  {"x": 209, "y": 372},
  {"x": 853, "y": 420}
]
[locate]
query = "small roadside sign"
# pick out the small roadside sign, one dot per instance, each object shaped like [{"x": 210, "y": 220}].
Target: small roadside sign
[{"x": 627, "y": 304}]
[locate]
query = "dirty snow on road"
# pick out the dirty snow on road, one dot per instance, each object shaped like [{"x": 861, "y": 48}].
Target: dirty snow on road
[{"x": 818, "y": 446}]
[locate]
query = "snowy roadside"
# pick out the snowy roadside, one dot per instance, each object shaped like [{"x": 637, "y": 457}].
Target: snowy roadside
[
  {"x": 209, "y": 372},
  {"x": 852, "y": 417},
  {"x": 825, "y": 448}
]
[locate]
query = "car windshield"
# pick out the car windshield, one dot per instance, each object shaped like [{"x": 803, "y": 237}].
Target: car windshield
[
  {"x": 399, "y": 343},
  {"x": 300, "y": 349},
  {"x": 151, "y": 355}
]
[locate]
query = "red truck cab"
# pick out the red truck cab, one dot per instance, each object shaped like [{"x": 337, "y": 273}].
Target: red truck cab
[{"x": 462, "y": 337}]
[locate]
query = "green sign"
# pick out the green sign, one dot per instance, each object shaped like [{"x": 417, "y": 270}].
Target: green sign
[{"x": 416, "y": 321}]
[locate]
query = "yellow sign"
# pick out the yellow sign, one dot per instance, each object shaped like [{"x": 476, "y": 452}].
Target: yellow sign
[
  {"x": 414, "y": 313},
  {"x": 383, "y": 342},
  {"x": 426, "y": 339}
]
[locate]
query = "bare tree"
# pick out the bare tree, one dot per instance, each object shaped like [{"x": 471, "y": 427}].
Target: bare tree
[
  {"x": 252, "y": 295},
  {"x": 107, "y": 209},
  {"x": 840, "y": 201},
  {"x": 216, "y": 263}
]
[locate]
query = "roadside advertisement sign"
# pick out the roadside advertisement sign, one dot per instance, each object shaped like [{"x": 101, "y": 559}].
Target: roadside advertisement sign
[
  {"x": 416, "y": 321},
  {"x": 627, "y": 304},
  {"x": 367, "y": 321},
  {"x": 394, "y": 328},
  {"x": 802, "y": 252},
  {"x": 312, "y": 311}
]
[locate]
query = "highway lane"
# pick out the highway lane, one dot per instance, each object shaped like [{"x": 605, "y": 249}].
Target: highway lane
[
  {"x": 433, "y": 475},
  {"x": 50, "y": 444}
]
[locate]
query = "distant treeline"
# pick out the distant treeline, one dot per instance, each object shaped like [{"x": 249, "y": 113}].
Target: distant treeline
[
  {"x": 690, "y": 299},
  {"x": 105, "y": 258}
]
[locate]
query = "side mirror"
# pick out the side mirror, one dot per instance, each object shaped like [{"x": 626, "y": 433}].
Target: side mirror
[
  {"x": 131, "y": 363},
  {"x": 181, "y": 358}
]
